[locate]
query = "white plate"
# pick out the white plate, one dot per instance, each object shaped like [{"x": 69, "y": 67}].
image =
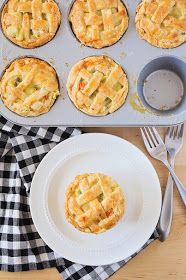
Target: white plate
[{"x": 96, "y": 152}]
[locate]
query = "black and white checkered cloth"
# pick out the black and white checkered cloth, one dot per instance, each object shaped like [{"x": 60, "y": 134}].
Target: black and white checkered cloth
[{"x": 21, "y": 247}]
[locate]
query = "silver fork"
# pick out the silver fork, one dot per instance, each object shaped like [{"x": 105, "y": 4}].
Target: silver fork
[
  {"x": 156, "y": 148},
  {"x": 173, "y": 142}
]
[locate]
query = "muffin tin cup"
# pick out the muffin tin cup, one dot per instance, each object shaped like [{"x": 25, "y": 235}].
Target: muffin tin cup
[
  {"x": 116, "y": 109},
  {"x": 14, "y": 44},
  {"x": 102, "y": 48},
  {"x": 172, "y": 64},
  {"x": 30, "y": 56},
  {"x": 63, "y": 51}
]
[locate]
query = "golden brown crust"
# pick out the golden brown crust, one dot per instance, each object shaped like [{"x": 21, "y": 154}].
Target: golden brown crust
[
  {"x": 94, "y": 203},
  {"x": 98, "y": 23},
  {"x": 162, "y": 23},
  {"x": 97, "y": 85},
  {"x": 29, "y": 87},
  {"x": 30, "y": 24}
]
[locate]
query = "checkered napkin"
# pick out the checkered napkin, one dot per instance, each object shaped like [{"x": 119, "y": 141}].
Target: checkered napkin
[{"x": 21, "y": 247}]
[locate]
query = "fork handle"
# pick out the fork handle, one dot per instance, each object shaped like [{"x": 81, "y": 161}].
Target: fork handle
[
  {"x": 165, "y": 220},
  {"x": 181, "y": 188}
]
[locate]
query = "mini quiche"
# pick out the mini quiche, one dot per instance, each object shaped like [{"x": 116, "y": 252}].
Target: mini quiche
[
  {"x": 29, "y": 87},
  {"x": 98, "y": 23},
  {"x": 162, "y": 23},
  {"x": 94, "y": 203},
  {"x": 30, "y": 23},
  {"x": 97, "y": 85}
]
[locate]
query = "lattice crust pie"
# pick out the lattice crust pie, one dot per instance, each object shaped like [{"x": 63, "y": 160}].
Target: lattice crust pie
[
  {"x": 29, "y": 87},
  {"x": 94, "y": 203},
  {"x": 30, "y": 23},
  {"x": 97, "y": 85},
  {"x": 162, "y": 22},
  {"x": 98, "y": 23}
]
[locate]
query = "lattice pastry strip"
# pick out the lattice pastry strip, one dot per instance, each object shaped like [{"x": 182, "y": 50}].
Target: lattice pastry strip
[
  {"x": 97, "y": 86},
  {"x": 162, "y": 22},
  {"x": 30, "y": 23},
  {"x": 98, "y": 23},
  {"x": 94, "y": 202}
]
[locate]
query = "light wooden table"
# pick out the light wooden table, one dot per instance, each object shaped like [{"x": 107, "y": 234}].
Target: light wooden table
[{"x": 163, "y": 261}]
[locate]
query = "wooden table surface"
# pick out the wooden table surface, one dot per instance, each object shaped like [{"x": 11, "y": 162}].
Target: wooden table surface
[{"x": 163, "y": 261}]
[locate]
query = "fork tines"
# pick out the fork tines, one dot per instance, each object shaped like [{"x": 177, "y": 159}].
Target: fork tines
[
  {"x": 151, "y": 136},
  {"x": 176, "y": 131}
]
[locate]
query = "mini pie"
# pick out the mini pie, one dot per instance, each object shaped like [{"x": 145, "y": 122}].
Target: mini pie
[
  {"x": 94, "y": 203},
  {"x": 98, "y": 23},
  {"x": 162, "y": 23},
  {"x": 30, "y": 23},
  {"x": 97, "y": 85},
  {"x": 29, "y": 87}
]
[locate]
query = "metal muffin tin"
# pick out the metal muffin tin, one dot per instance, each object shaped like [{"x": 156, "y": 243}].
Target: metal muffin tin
[{"x": 64, "y": 51}]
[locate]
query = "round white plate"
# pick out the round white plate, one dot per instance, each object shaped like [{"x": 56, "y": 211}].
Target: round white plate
[{"x": 96, "y": 152}]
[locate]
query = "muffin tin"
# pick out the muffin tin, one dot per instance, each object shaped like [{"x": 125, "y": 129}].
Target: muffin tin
[{"x": 130, "y": 52}]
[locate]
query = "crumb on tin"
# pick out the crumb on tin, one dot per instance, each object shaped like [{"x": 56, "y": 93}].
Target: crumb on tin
[
  {"x": 136, "y": 103},
  {"x": 123, "y": 55},
  {"x": 52, "y": 61}
]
